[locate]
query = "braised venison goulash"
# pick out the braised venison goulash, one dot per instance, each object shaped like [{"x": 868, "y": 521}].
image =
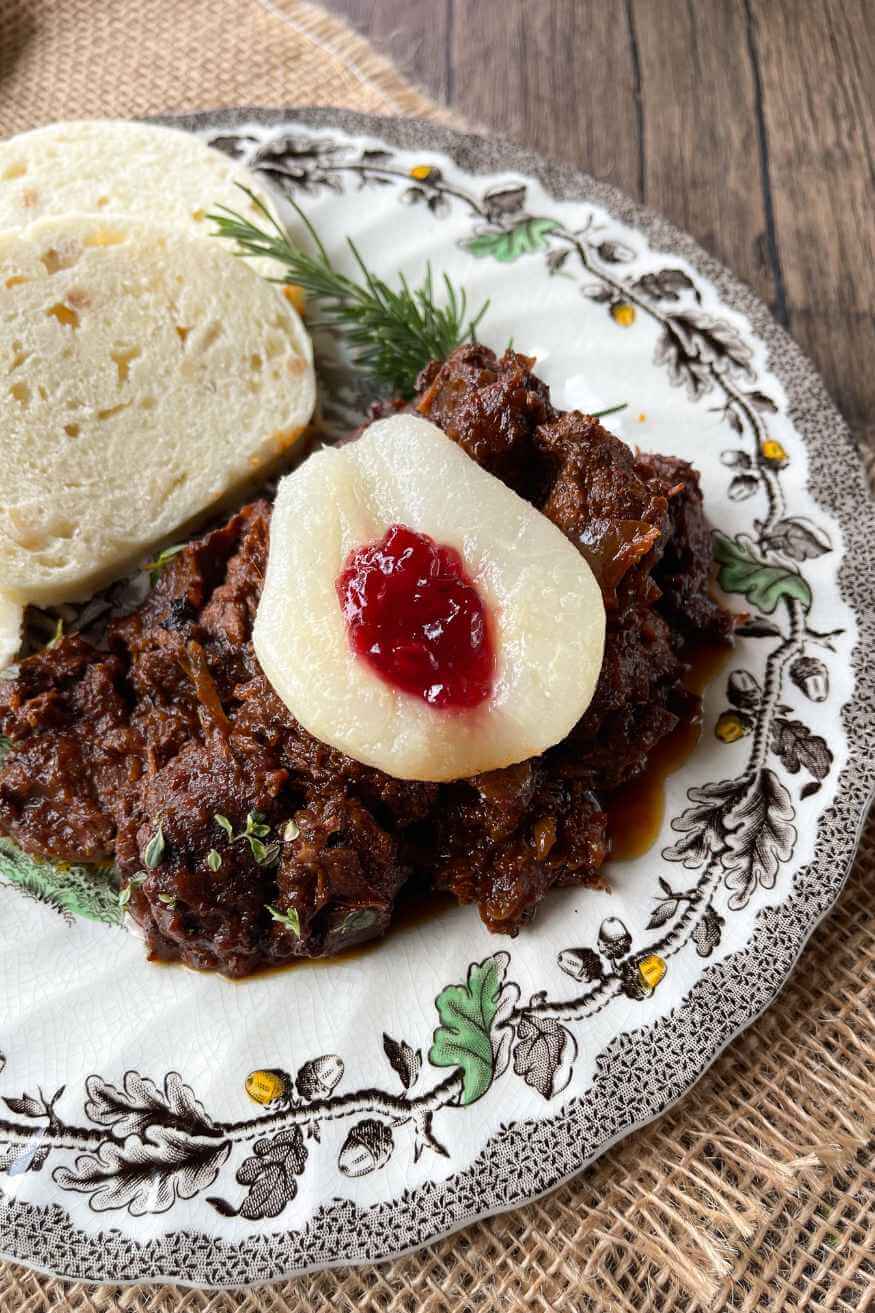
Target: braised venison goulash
[
  {"x": 174, "y": 733},
  {"x": 424, "y": 661}
]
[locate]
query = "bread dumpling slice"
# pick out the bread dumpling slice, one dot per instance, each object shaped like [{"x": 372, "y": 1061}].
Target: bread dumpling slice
[
  {"x": 543, "y": 607},
  {"x": 109, "y": 167},
  {"x": 11, "y": 618},
  {"x": 144, "y": 374}
]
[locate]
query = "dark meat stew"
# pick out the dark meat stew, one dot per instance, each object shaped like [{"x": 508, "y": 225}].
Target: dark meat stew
[{"x": 130, "y": 750}]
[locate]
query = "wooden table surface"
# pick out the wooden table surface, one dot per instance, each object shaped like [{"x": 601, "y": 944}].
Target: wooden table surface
[{"x": 750, "y": 123}]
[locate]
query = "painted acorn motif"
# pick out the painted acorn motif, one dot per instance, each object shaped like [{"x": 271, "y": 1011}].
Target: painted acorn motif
[
  {"x": 614, "y": 938},
  {"x": 774, "y": 454},
  {"x": 651, "y": 969},
  {"x": 317, "y": 1078},
  {"x": 642, "y": 973},
  {"x": 367, "y": 1148},
  {"x": 426, "y": 173},
  {"x": 735, "y": 459},
  {"x": 732, "y": 726},
  {"x": 743, "y": 690},
  {"x": 743, "y": 486},
  {"x": 707, "y": 934},
  {"x": 580, "y": 963},
  {"x": 268, "y": 1085},
  {"x": 623, "y": 314},
  {"x": 811, "y": 676},
  {"x": 500, "y": 201},
  {"x": 614, "y": 252}
]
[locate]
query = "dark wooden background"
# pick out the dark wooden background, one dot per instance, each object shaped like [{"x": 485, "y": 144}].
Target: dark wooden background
[{"x": 750, "y": 123}]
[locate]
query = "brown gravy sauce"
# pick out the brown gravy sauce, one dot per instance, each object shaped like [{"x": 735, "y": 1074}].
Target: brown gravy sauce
[
  {"x": 636, "y": 810},
  {"x": 635, "y": 815}
]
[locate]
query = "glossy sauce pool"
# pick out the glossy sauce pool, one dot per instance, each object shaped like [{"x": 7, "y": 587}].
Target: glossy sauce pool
[{"x": 637, "y": 809}]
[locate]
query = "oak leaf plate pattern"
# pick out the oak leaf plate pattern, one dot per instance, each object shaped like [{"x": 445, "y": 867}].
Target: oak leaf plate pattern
[{"x": 357, "y": 1110}]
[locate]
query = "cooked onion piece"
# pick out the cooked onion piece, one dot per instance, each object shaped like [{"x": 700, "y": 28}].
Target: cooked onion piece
[{"x": 543, "y": 605}]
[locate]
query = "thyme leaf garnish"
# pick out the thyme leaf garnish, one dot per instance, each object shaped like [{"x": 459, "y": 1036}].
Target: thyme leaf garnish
[
  {"x": 265, "y": 855},
  {"x": 224, "y": 824},
  {"x": 361, "y": 919},
  {"x": 254, "y": 831},
  {"x": 255, "y": 825},
  {"x": 290, "y": 919},
  {"x": 155, "y": 567},
  {"x": 392, "y": 333},
  {"x": 125, "y": 892}
]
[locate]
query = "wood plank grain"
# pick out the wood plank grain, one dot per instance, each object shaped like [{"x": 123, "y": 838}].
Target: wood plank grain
[
  {"x": 559, "y": 76},
  {"x": 414, "y": 33},
  {"x": 550, "y": 75},
  {"x": 702, "y": 164},
  {"x": 817, "y": 68}
]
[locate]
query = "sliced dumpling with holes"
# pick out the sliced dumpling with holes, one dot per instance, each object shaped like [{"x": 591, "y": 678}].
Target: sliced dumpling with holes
[
  {"x": 144, "y": 375},
  {"x": 11, "y": 617},
  {"x": 109, "y": 168},
  {"x": 420, "y": 616}
]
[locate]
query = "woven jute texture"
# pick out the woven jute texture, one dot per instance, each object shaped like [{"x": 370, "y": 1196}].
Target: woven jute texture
[{"x": 758, "y": 1190}]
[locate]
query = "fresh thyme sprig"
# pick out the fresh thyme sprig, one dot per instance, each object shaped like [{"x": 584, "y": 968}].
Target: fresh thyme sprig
[
  {"x": 392, "y": 334},
  {"x": 255, "y": 831}
]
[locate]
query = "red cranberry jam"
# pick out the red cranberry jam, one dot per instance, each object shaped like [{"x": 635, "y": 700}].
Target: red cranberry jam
[{"x": 417, "y": 619}]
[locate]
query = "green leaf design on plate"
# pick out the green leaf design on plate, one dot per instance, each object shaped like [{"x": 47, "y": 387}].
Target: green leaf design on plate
[
  {"x": 508, "y": 244},
  {"x": 465, "y": 1038},
  {"x": 88, "y": 891},
  {"x": 763, "y": 584}
]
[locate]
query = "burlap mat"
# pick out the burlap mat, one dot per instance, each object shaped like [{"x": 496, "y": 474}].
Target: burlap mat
[{"x": 758, "y": 1190}]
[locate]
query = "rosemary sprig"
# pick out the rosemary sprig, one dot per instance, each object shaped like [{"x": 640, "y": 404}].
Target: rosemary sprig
[{"x": 392, "y": 334}]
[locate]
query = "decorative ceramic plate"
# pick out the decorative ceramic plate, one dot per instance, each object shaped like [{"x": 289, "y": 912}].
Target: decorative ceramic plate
[{"x": 161, "y": 1124}]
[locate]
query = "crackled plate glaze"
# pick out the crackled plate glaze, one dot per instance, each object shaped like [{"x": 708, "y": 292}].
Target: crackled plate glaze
[{"x": 160, "y": 1124}]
